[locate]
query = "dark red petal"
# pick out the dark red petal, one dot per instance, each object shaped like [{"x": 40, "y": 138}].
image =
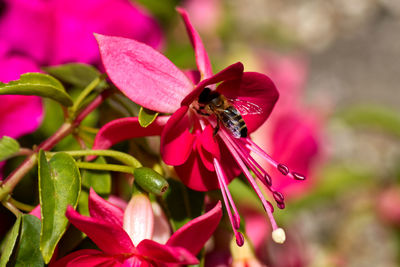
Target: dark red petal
[
  {"x": 143, "y": 74},
  {"x": 126, "y": 128},
  {"x": 165, "y": 254},
  {"x": 232, "y": 72},
  {"x": 85, "y": 257},
  {"x": 195, "y": 233},
  {"x": 104, "y": 210},
  {"x": 202, "y": 60},
  {"x": 208, "y": 148},
  {"x": 176, "y": 140},
  {"x": 110, "y": 238},
  {"x": 255, "y": 88}
]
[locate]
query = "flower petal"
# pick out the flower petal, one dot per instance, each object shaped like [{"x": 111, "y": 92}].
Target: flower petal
[
  {"x": 165, "y": 254},
  {"x": 176, "y": 140},
  {"x": 254, "y": 88},
  {"x": 194, "y": 174},
  {"x": 85, "y": 257},
  {"x": 195, "y": 233},
  {"x": 110, "y": 238},
  {"x": 104, "y": 210},
  {"x": 143, "y": 74},
  {"x": 202, "y": 60},
  {"x": 208, "y": 148},
  {"x": 126, "y": 128},
  {"x": 232, "y": 72}
]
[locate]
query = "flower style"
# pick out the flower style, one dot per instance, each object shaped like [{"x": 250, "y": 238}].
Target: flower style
[
  {"x": 136, "y": 236},
  {"x": 60, "y": 31},
  {"x": 202, "y": 159}
]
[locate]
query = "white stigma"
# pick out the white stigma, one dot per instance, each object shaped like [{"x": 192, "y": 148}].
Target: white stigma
[{"x": 279, "y": 236}]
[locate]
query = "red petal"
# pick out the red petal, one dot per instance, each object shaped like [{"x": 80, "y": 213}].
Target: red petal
[
  {"x": 165, "y": 254},
  {"x": 232, "y": 72},
  {"x": 202, "y": 60},
  {"x": 257, "y": 89},
  {"x": 208, "y": 148},
  {"x": 176, "y": 140},
  {"x": 195, "y": 233},
  {"x": 104, "y": 210},
  {"x": 110, "y": 238},
  {"x": 143, "y": 74},
  {"x": 126, "y": 128},
  {"x": 86, "y": 257}
]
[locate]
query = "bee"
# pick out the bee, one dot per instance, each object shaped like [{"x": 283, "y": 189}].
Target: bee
[{"x": 212, "y": 102}]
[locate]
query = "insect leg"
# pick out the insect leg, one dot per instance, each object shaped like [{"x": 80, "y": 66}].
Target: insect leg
[{"x": 216, "y": 129}]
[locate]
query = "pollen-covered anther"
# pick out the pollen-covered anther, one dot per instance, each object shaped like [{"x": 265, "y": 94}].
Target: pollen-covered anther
[{"x": 279, "y": 236}]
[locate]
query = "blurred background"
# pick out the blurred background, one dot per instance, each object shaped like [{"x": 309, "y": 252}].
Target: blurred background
[{"x": 336, "y": 64}]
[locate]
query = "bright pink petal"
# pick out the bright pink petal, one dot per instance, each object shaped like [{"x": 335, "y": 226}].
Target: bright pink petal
[
  {"x": 176, "y": 140},
  {"x": 207, "y": 147},
  {"x": 76, "y": 21},
  {"x": 20, "y": 115},
  {"x": 195, "y": 233},
  {"x": 165, "y": 254},
  {"x": 86, "y": 257},
  {"x": 110, "y": 238},
  {"x": 126, "y": 128},
  {"x": 232, "y": 72},
  {"x": 104, "y": 210},
  {"x": 202, "y": 60},
  {"x": 143, "y": 74},
  {"x": 36, "y": 212},
  {"x": 254, "y": 88}
]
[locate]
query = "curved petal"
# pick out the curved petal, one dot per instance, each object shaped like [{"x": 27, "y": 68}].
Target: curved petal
[
  {"x": 85, "y": 257},
  {"x": 208, "y": 148},
  {"x": 76, "y": 21},
  {"x": 165, "y": 254},
  {"x": 104, "y": 210},
  {"x": 196, "y": 176},
  {"x": 176, "y": 140},
  {"x": 143, "y": 74},
  {"x": 232, "y": 72},
  {"x": 110, "y": 238},
  {"x": 258, "y": 90},
  {"x": 126, "y": 128},
  {"x": 195, "y": 233},
  {"x": 202, "y": 60}
]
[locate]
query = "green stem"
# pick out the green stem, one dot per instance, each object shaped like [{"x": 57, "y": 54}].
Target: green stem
[
  {"x": 105, "y": 167},
  {"x": 20, "y": 205},
  {"x": 120, "y": 156},
  {"x": 84, "y": 94},
  {"x": 12, "y": 208}
]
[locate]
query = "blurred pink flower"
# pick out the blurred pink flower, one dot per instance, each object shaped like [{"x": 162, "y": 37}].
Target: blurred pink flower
[
  {"x": 59, "y": 31},
  {"x": 130, "y": 238},
  {"x": 292, "y": 133},
  {"x": 205, "y": 14}
]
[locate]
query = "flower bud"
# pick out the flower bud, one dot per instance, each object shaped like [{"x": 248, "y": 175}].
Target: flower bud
[{"x": 150, "y": 181}]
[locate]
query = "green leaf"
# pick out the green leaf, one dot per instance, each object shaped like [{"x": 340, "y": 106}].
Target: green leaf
[
  {"x": 100, "y": 181},
  {"x": 146, "y": 117},
  {"x": 8, "y": 147},
  {"x": 37, "y": 84},
  {"x": 182, "y": 203},
  {"x": 59, "y": 186},
  {"x": 10, "y": 243},
  {"x": 77, "y": 74},
  {"x": 28, "y": 253}
]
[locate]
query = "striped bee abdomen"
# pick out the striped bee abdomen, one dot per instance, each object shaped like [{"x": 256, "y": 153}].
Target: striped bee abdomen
[{"x": 233, "y": 121}]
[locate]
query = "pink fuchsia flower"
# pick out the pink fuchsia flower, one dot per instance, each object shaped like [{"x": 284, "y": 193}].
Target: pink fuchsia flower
[
  {"x": 138, "y": 236},
  {"x": 203, "y": 160},
  {"x": 60, "y": 31},
  {"x": 292, "y": 133}
]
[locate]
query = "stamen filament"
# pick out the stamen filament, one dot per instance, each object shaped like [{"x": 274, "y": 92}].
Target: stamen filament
[{"x": 235, "y": 150}]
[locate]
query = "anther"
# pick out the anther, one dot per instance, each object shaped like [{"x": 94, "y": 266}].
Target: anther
[
  {"x": 298, "y": 176},
  {"x": 283, "y": 169},
  {"x": 236, "y": 221},
  {"x": 281, "y": 205},
  {"x": 239, "y": 239},
  {"x": 279, "y": 236},
  {"x": 267, "y": 179},
  {"x": 278, "y": 197}
]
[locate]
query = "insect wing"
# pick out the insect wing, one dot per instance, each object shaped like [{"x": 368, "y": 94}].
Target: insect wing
[{"x": 246, "y": 107}]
